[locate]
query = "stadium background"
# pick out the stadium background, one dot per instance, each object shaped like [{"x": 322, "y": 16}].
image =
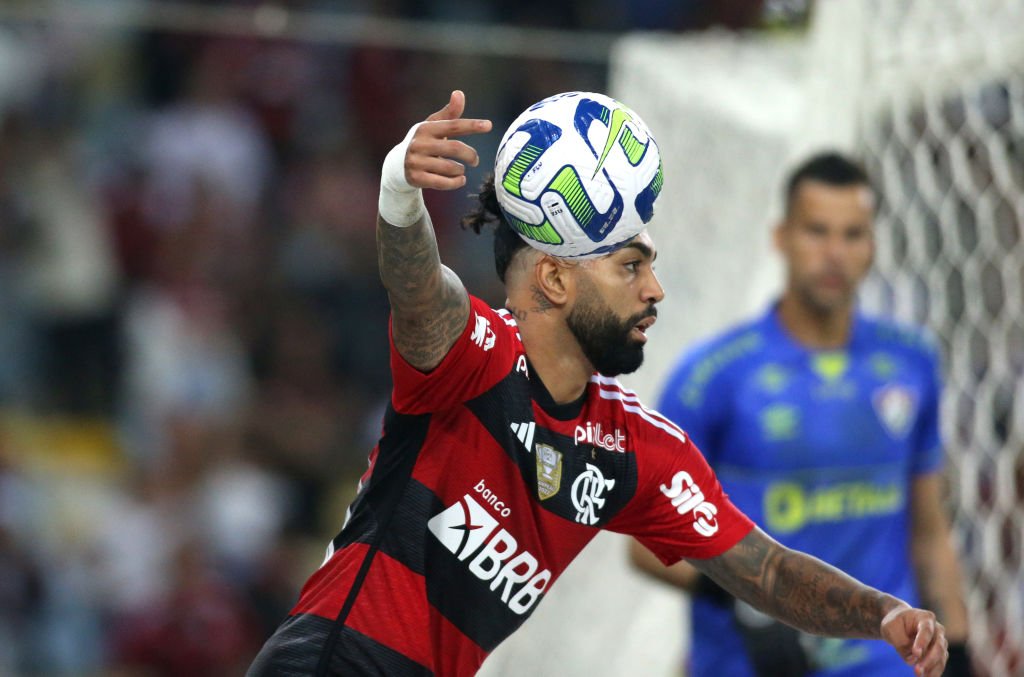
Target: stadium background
[{"x": 192, "y": 332}]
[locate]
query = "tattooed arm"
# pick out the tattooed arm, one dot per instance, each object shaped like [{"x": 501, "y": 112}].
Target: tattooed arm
[
  {"x": 429, "y": 305},
  {"x": 817, "y": 598}
]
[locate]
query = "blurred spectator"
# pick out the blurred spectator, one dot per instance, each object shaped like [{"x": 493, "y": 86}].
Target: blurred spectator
[
  {"x": 20, "y": 597},
  {"x": 21, "y": 576},
  {"x": 205, "y": 151},
  {"x": 187, "y": 264},
  {"x": 201, "y": 627}
]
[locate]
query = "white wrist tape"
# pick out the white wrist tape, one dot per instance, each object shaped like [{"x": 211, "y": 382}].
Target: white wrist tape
[{"x": 400, "y": 204}]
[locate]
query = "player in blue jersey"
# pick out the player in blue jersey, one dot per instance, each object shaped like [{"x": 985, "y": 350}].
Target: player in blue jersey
[{"x": 822, "y": 425}]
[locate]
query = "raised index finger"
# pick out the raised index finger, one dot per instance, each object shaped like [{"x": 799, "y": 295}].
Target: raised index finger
[{"x": 441, "y": 129}]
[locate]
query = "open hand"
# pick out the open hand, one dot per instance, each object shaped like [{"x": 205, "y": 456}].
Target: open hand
[
  {"x": 434, "y": 159},
  {"x": 919, "y": 638}
]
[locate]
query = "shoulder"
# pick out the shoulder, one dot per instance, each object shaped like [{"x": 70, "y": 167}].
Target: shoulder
[
  {"x": 710, "y": 360},
  {"x": 486, "y": 322},
  {"x": 643, "y": 424},
  {"x": 909, "y": 340}
]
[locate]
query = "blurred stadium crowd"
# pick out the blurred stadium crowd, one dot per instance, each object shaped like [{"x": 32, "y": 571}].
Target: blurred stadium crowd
[{"x": 193, "y": 338}]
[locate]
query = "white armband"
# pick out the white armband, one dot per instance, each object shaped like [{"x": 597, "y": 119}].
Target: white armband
[{"x": 400, "y": 204}]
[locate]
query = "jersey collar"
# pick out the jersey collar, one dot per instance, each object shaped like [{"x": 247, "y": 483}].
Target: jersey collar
[
  {"x": 567, "y": 411},
  {"x": 780, "y": 336}
]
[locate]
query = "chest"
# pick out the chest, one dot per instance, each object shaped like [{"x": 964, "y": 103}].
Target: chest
[{"x": 823, "y": 411}]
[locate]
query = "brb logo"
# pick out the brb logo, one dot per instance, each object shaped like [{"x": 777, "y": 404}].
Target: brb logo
[
  {"x": 587, "y": 494},
  {"x": 686, "y": 497},
  {"x": 593, "y": 434},
  {"x": 471, "y": 533}
]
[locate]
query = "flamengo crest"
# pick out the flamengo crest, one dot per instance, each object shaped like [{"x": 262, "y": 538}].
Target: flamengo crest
[{"x": 588, "y": 494}]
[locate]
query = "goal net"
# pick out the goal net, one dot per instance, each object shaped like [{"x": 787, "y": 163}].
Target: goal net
[
  {"x": 931, "y": 96},
  {"x": 941, "y": 126}
]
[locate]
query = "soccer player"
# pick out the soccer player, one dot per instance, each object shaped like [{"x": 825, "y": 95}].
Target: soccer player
[
  {"x": 508, "y": 444},
  {"x": 822, "y": 426}
]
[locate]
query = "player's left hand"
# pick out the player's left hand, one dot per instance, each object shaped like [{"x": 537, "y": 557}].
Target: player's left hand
[{"x": 919, "y": 638}]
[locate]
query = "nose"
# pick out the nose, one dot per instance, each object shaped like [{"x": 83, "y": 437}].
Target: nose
[
  {"x": 653, "y": 292},
  {"x": 836, "y": 249}
]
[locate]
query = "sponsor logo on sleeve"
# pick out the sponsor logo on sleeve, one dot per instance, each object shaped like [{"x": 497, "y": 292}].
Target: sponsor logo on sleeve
[
  {"x": 588, "y": 494},
  {"x": 687, "y": 497},
  {"x": 482, "y": 334}
]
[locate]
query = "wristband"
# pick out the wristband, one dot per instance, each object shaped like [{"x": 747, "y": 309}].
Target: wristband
[{"x": 400, "y": 204}]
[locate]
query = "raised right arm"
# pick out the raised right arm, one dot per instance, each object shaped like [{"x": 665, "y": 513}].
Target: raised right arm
[{"x": 429, "y": 305}]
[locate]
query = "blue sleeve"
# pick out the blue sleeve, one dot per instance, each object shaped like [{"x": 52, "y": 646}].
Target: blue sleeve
[
  {"x": 692, "y": 399},
  {"x": 928, "y": 444}
]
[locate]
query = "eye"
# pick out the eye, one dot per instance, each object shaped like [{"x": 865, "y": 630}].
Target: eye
[
  {"x": 633, "y": 266},
  {"x": 857, "y": 234}
]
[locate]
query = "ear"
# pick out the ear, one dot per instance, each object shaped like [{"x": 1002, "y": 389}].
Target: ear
[
  {"x": 555, "y": 279},
  {"x": 779, "y": 236}
]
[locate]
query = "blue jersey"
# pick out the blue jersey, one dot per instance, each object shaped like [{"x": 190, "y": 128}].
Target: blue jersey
[{"x": 819, "y": 448}]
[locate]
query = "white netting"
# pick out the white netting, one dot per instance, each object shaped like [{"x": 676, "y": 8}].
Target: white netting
[
  {"x": 931, "y": 94},
  {"x": 941, "y": 126}
]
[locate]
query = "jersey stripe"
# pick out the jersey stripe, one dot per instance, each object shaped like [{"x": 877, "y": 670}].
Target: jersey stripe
[
  {"x": 631, "y": 396},
  {"x": 644, "y": 413},
  {"x": 294, "y": 650}
]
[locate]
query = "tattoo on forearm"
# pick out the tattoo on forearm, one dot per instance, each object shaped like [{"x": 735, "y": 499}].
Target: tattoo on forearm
[
  {"x": 798, "y": 589},
  {"x": 429, "y": 304},
  {"x": 407, "y": 258}
]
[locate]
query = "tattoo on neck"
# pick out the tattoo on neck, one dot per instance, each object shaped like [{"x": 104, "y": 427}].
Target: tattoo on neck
[
  {"x": 517, "y": 313},
  {"x": 541, "y": 301}
]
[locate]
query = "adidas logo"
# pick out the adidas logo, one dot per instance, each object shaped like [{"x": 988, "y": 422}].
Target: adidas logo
[{"x": 524, "y": 431}]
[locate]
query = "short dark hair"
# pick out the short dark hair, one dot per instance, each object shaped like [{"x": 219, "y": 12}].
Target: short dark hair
[
  {"x": 506, "y": 241},
  {"x": 832, "y": 168}
]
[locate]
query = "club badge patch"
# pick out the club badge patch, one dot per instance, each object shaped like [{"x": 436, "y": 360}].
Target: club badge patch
[
  {"x": 549, "y": 471},
  {"x": 896, "y": 407}
]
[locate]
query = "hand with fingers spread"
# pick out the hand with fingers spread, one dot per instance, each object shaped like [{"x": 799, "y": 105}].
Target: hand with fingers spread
[
  {"x": 919, "y": 638},
  {"x": 428, "y": 157}
]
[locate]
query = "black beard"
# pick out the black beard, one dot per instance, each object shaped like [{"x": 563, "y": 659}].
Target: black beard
[{"x": 605, "y": 339}]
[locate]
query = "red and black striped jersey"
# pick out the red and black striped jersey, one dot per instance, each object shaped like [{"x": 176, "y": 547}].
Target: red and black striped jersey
[{"x": 479, "y": 494}]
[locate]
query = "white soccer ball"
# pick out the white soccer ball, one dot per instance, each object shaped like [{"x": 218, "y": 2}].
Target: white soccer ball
[{"x": 577, "y": 174}]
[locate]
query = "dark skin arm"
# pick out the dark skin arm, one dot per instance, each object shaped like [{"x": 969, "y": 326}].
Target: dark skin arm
[
  {"x": 429, "y": 305},
  {"x": 935, "y": 559},
  {"x": 817, "y": 598}
]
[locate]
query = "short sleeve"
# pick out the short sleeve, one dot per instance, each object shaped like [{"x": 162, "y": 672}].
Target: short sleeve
[
  {"x": 679, "y": 509},
  {"x": 927, "y": 452},
  {"x": 484, "y": 353}
]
